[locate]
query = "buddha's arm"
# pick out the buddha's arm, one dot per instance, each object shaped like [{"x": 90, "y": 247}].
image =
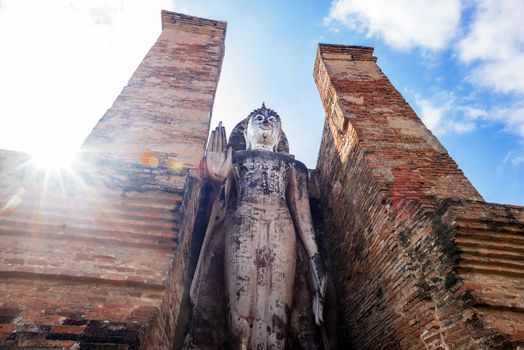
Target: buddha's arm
[
  {"x": 218, "y": 155},
  {"x": 298, "y": 201}
]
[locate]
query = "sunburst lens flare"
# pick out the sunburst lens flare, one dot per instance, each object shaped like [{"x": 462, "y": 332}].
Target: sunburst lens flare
[{"x": 54, "y": 158}]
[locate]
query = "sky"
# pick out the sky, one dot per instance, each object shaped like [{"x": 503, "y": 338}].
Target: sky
[{"x": 459, "y": 64}]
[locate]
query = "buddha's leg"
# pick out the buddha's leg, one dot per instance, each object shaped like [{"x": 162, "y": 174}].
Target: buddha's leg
[
  {"x": 240, "y": 278},
  {"x": 281, "y": 279},
  {"x": 260, "y": 273}
]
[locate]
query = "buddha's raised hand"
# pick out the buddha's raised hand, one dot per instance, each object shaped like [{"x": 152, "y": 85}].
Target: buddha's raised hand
[{"x": 218, "y": 155}]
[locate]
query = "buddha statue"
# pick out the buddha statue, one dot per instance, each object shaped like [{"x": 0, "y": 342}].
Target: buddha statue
[{"x": 259, "y": 239}]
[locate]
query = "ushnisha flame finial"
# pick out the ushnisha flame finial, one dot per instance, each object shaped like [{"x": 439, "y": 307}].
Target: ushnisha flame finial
[{"x": 266, "y": 112}]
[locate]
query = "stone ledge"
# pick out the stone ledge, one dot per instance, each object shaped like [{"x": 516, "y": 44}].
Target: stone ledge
[
  {"x": 170, "y": 18},
  {"x": 347, "y": 52},
  {"x": 84, "y": 280}
]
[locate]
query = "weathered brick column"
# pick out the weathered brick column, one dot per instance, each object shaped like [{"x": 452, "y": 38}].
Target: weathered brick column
[
  {"x": 420, "y": 260},
  {"x": 96, "y": 257}
]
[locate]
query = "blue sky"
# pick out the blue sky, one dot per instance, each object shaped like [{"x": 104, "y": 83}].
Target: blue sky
[{"x": 460, "y": 65}]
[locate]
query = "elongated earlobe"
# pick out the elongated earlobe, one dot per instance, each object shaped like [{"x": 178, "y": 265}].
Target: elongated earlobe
[
  {"x": 248, "y": 144},
  {"x": 275, "y": 147}
]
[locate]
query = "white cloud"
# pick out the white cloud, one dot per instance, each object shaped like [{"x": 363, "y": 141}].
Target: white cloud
[
  {"x": 473, "y": 112},
  {"x": 512, "y": 116},
  {"x": 495, "y": 41},
  {"x": 496, "y": 30},
  {"x": 446, "y": 112},
  {"x": 460, "y": 127},
  {"x": 512, "y": 157},
  {"x": 517, "y": 160},
  {"x": 402, "y": 24},
  {"x": 443, "y": 114},
  {"x": 503, "y": 75},
  {"x": 432, "y": 115}
]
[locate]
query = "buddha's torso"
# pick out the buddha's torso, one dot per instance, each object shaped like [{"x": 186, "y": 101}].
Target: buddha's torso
[{"x": 262, "y": 177}]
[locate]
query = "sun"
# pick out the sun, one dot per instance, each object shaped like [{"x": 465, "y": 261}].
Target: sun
[{"x": 54, "y": 158}]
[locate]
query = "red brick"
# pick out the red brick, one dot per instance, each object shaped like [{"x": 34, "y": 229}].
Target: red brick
[
  {"x": 45, "y": 343},
  {"x": 68, "y": 329}
]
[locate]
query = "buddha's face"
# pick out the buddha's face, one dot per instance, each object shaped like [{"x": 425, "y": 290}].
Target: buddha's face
[{"x": 263, "y": 131}]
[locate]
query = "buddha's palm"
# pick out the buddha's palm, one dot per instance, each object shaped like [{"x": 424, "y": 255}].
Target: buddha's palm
[{"x": 218, "y": 155}]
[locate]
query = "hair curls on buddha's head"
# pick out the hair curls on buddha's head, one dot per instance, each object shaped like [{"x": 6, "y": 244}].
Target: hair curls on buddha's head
[{"x": 264, "y": 111}]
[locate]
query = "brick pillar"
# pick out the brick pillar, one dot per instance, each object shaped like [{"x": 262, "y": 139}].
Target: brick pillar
[
  {"x": 401, "y": 222},
  {"x": 96, "y": 256},
  {"x": 164, "y": 111}
]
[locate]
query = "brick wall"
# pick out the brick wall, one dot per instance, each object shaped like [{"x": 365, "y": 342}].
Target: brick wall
[
  {"x": 96, "y": 256},
  {"x": 419, "y": 260}
]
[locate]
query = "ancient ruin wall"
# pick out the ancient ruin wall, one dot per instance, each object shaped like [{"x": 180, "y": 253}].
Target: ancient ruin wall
[
  {"x": 420, "y": 261},
  {"x": 96, "y": 257}
]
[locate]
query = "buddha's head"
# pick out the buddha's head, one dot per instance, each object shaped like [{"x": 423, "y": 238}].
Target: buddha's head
[{"x": 263, "y": 129}]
